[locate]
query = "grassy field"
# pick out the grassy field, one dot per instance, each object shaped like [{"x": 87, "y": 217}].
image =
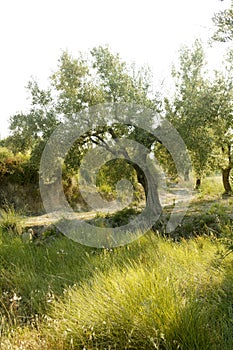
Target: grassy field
[{"x": 156, "y": 293}]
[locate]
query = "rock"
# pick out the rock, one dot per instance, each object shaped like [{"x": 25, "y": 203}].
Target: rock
[{"x": 27, "y": 236}]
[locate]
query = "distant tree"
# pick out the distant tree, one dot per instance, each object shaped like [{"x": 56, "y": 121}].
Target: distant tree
[
  {"x": 189, "y": 110},
  {"x": 224, "y": 33},
  {"x": 222, "y": 122},
  {"x": 202, "y": 112}
]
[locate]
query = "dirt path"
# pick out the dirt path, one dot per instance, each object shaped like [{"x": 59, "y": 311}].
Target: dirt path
[
  {"x": 51, "y": 218},
  {"x": 196, "y": 206}
]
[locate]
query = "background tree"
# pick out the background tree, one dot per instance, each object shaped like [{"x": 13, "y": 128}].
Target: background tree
[
  {"x": 222, "y": 122},
  {"x": 224, "y": 33},
  {"x": 201, "y": 110},
  {"x": 190, "y": 108}
]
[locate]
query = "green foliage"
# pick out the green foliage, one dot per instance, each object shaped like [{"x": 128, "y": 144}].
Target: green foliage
[
  {"x": 77, "y": 84},
  {"x": 10, "y": 164},
  {"x": 222, "y": 89},
  {"x": 203, "y": 107},
  {"x": 190, "y": 109},
  {"x": 166, "y": 161},
  {"x": 107, "y": 192},
  {"x": 112, "y": 172},
  {"x": 120, "y": 82},
  {"x": 17, "y": 168},
  {"x": 208, "y": 223}
]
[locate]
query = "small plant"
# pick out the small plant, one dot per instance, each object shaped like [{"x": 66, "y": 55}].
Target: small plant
[{"x": 10, "y": 221}]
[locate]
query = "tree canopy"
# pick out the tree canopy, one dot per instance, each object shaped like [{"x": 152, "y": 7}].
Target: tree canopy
[
  {"x": 201, "y": 111},
  {"x": 78, "y": 84}
]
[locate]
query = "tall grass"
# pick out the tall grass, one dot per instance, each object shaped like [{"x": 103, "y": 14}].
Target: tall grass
[
  {"x": 174, "y": 298},
  {"x": 38, "y": 273},
  {"x": 151, "y": 294}
]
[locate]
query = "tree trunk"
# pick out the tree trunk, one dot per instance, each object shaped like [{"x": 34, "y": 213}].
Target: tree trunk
[
  {"x": 198, "y": 184},
  {"x": 149, "y": 182},
  {"x": 226, "y": 179}
]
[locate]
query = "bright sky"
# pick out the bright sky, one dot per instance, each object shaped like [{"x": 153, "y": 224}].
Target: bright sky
[{"x": 34, "y": 32}]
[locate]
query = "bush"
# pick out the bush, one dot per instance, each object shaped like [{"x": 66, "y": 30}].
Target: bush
[{"x": 17, "y": 168}]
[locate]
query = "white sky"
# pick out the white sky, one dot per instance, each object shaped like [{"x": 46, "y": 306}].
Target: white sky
[{"x": 34, "y": 32}]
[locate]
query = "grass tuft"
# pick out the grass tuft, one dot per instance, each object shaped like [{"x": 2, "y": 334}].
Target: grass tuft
[{"x": 10, "y": 221}]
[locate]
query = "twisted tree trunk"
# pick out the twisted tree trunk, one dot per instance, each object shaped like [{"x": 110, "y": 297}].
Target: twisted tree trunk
[{"x": 149, "y": 182}]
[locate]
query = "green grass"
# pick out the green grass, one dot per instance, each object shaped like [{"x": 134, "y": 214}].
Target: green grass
[
  {"x": 154, "y": 293},
  {"x": 170, "y": 299},
  {"x": 151, "y": 294},
  {"x": 35, "y": 271}
]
